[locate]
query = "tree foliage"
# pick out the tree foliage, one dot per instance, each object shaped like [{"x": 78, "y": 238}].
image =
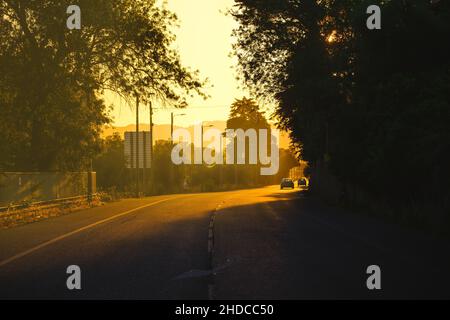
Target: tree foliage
[
  {"x": 245, "y": 114},
  {"x": 52, "y": 78},
  {"x": 373, "y": 105}
]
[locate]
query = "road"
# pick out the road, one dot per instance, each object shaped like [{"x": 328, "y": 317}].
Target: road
[{"x": 250, "y": 244}]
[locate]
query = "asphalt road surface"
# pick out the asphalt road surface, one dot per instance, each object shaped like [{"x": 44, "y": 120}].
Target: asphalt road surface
[{"x": 253, "y": 244}]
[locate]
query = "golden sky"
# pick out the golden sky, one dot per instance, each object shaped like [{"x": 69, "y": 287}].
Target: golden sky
[{"x": 204, "y": 42}]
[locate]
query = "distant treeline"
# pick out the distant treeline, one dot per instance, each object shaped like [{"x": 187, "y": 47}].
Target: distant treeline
[
  {"x": 371, "y": 107},
  {"x": 165, "y": 177},
  {"x": 114, "y": 177}
]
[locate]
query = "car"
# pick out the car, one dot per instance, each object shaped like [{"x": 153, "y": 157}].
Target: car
[
  {"x": 287, "y": 183},
  {"x": 302, "y": 182}
]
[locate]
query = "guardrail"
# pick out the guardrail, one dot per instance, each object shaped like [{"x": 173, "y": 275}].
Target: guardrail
[
  {"x": 19, "y": 189},
  {"x": 48, "y": 203}
]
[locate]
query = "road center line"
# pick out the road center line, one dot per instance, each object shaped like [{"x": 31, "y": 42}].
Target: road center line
[{"x": 64, "y": 236}]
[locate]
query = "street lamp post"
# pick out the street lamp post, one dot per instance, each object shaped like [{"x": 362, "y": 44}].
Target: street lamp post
[
  {"x": 172, "y": 117},
  {"x": 203, "y": 126},
  {"x": 202, "y": 129},
  {"x": 222, "y": 154}
]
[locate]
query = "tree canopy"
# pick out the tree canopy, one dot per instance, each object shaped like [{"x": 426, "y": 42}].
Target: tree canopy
[
  {"x": 246, "y": 114},
  {"x": 371, "y": 105},
  {"x": 52, "y": 78}
]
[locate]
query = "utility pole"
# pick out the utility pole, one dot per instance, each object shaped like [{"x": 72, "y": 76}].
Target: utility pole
[
  {"x": 172, "y": 116},
  {"x": 201, "y": 144},
  {"x": 89, "y": 180},
  {"x": 171, "y": 142},
  {"x": 151, "y": 134},
  {"x": 151, "y": 145},
  {"x": 144, "y": 162},
  {"x": 222, "y": 154},
  {"x": 171, "y": 127},
  {"x": 137, "y": 146}
]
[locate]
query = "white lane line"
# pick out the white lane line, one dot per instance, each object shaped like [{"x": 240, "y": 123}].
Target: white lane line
[
  {"x": 64, "y": 236},
  {"x": 211, "y": 230},
  {"x": 211, "y": 249}
]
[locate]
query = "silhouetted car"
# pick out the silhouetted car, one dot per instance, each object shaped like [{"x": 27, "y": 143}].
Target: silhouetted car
[
  {"x": 287, "y": 183},
  {"x": 302, "y": 182}
]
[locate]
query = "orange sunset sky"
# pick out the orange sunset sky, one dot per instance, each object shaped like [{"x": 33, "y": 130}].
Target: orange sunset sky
[{"x": 204, "y": 42}]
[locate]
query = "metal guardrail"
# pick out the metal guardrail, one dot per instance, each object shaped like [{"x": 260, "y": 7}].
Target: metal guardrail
[{"x": 43, "y": 203}]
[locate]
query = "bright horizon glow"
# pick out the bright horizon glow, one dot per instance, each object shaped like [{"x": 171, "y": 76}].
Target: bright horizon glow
[
  {"x": 204, "y": 43},
  {"x": 332, "y": 37}
]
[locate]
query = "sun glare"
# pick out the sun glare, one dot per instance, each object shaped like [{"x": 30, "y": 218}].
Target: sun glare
[{"x": 332, "y": 37}]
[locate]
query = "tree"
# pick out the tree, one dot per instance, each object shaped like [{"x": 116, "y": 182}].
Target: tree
[
  {"x": 112, "y": 159},
  {"x": 166, "y": 176},
  {"x": 284, "y": 55},
  {"x": 245, "y": 114},
  {"x": 52, "y": 78},
  {"x": 369, "y": 105}
]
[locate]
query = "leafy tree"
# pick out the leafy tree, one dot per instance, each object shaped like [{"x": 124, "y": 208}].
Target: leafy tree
[
  {"x": 370, "y": 105},
  {"x": 245, "y": 114},
  {"x": 112, "y": 159},
  {"x": 52, "y": 78},
  {"x": 284, "y": 55},
  {"x": 166, "y": 176}
]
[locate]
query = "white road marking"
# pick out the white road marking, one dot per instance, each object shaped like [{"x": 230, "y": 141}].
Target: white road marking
[
  {"x": 211, "y": 229},
  {"x": 64, "y": 236},
  {"x": 211, "y": 248}
]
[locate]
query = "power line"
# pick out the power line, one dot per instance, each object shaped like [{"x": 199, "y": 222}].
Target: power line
[{"x": 194, "y": 107}]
